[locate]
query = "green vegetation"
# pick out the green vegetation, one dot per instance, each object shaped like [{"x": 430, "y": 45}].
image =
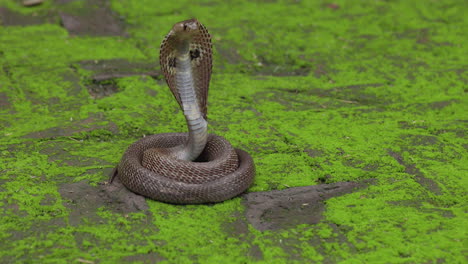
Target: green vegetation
[{"x": 316, "y": 92}]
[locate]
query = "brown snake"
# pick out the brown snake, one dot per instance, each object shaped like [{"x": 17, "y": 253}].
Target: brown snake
[{"x": 194, "y": 167}]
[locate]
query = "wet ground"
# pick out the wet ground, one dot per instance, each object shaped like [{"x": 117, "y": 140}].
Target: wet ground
[{"x": 356, "y": 121}]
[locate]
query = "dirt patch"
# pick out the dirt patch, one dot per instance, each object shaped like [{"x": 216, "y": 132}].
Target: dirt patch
[
  {"x": 411, "y": 125},
  {"x": 352, "y": 94},
  {"x": 93, "y": 18},
  {"x": 269, "y": 68},
  {"x": 442, "y": 104},
  {"x": 438, "y": 105},
  {"x": 40, "y": 226},
  {"x": 314, "y": 153},
  {"x": 84, "y": 200},
  {"x": 73, "y": 90},
  {"x": 294, "y": 206},
  {"x": 105, "y": 72},
  {"x": 422, "y": 140},
  {"x": 4, "y": 101},
  {"x": 74, "y": 128},
  {"x": 429, "y": 184},
  {"x": 96, "y": 22},
  {"x": 227, "y": 51},
  {"x": 320, "y": 70},
  {"x": 345, "y": 96},
  {"x": 144, "y": 258},
  {"x": 12, "y": 18},
  {"x": 117, "y": 68},
  {"x": 58, "y": 152},
  {"x": 101, "y": 89},
  {"x": 419, "y": 205},
  {"x": 32, "y": 2}
]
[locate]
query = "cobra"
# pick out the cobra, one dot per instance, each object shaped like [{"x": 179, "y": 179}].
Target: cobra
[{"x": 194, "y": 167}]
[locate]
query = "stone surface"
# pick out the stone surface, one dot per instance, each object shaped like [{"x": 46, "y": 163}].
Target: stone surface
[
  {"x": 324, "y": 95},
  {"x": 293, "y": 206}
]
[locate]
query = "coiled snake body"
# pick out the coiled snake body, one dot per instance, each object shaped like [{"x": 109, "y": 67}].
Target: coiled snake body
[{"x": 193, "y": 167}]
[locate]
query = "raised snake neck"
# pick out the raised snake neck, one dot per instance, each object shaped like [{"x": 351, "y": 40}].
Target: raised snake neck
[
  {"x": 196, "y": 124},
  {"x": 162, "y": 166},
  {"x": 186, "y": 49}
]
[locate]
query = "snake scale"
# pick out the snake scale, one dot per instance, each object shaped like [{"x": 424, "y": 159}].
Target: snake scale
[{"x": 194, "y": 167}]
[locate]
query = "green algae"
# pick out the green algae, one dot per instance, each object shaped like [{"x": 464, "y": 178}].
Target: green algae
[{"x": 314, "y": 101}]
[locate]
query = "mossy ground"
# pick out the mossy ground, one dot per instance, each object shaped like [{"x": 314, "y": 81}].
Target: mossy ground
[{"x": 316, "y": 91}]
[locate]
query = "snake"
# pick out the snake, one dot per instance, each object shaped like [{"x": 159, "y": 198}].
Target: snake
[{"x": 194, "y": 167}]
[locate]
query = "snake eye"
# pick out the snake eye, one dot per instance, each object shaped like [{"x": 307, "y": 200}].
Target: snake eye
[
  {"x": 194, "y": 54},
  {"x": 185, "y": 27}
]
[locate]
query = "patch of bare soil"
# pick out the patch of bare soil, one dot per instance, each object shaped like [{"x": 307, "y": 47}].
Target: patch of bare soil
[
  {"x": 94, "y": 18},
  {"x": 105, "y": 72},
  {"x": 73, "y": 128},
  {"x": 12, "y": 18},
  {"x": 294, "y": 206},
  {"x": 83, "y": 200},
  {"x": 346, "y": 96},
  {"x": 98, "y": 22},
  {"x": 411, "y": 168}
]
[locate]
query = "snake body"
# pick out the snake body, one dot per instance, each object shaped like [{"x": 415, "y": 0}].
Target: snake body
[{"x": 194, "y": 167}]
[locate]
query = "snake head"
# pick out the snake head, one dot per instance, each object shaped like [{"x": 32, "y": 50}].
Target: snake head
[
  {"x": 186, "y": 29},
  {"x": 190, "y": 38}
]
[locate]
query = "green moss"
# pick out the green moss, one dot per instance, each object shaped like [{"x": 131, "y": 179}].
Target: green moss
[{"x": 316, "y": 94}]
